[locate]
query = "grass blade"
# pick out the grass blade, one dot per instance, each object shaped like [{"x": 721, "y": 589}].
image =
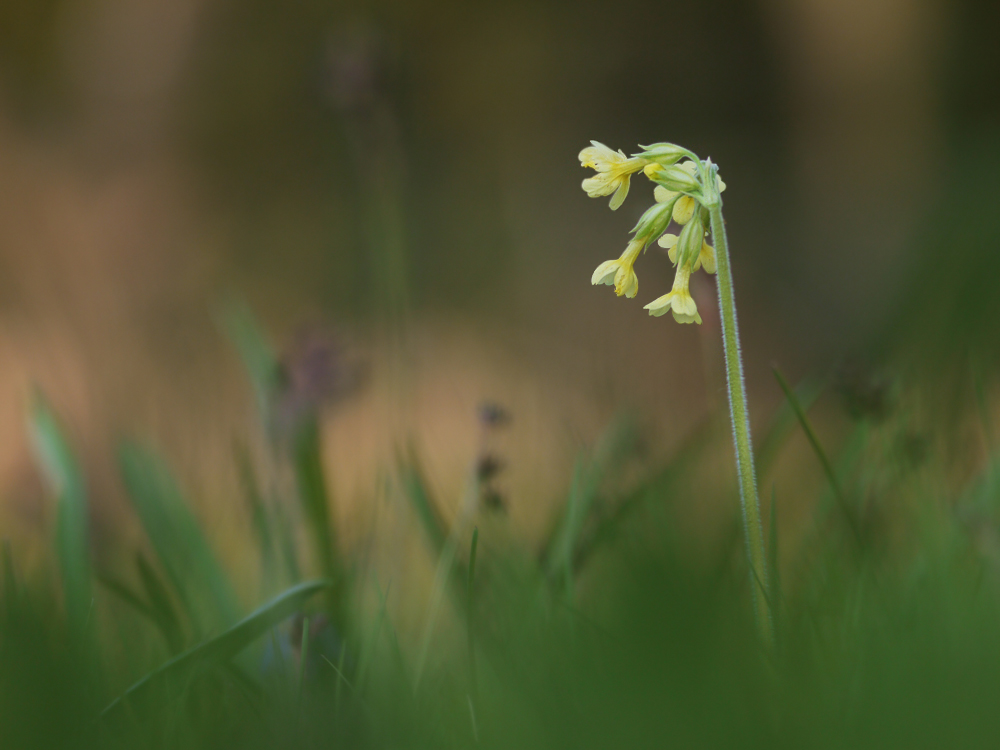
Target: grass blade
[
  {"x": 303, "y": 659},
  {"x": 820, "y": 454},
  {"x": 659, "y": 485},
  {"x": 416, "y": 490},
  {"x": 314, "y": 496},
  {"x": 470, "y": 613},
  {"x": 175, "y": 673},
  {"x": 772, "y": 553},
  {"x": 72, "y": 535},
  {"x": 11, "y": 594},
  {"x": 259, "y": 358},
  {"x": 614, "y": 448},
  {"x": 186, "y": 557},
  {"x": 807, "y": 392},
  {"x": 259, "y": 515},
  {"x": 160, "y": 602}
]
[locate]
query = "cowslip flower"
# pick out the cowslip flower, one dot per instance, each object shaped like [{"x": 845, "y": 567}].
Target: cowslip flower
[
  {"x": 685, "y": 206},
  {"x": 706, "y": 256},
  {"x": 689, "y": 194},
  {"x": 682, "y": 195},
  {"x": 614, "y": 172},
  {"x": 619, "y": 272},
  {"x": 678, "y": 301}
]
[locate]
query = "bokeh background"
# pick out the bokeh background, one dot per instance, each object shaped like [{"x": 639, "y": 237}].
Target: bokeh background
[{"x": 392, "y": 188}]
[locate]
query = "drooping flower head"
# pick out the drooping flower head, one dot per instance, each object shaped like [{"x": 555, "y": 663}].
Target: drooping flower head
[
  {"x": 614, "y": 172},
  {"x": 684, "y": 193}
]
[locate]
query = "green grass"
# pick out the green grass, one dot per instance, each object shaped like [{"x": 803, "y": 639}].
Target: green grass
[{"x": 611, "y": 634}]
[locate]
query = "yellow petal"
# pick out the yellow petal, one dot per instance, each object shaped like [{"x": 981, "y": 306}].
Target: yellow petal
[
  {"x": 684, "y": 304},
  {"x": 599, "y": 157},
  {"x": 626, "y": 282},
  {"x": 707, "y": 257},
  {"x": 680, "y": 318},
  {"x": 605, "y": 273},
  {"x": 599, "y": 185},
  {"x": 667, "y": 241},
  {"x": 650, "y": 171},
  {"x": 662, "y": 195},
  {"x": 659, "y": 306},
  {"x": 619, "y": 197},
  {"x": 684, "y": 209}
]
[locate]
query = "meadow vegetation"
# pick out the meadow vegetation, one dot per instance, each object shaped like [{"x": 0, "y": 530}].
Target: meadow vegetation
[{"x": 608, "y": 634}]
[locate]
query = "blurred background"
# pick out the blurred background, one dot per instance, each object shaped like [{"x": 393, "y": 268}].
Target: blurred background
[{"x": 393, "y": 189}]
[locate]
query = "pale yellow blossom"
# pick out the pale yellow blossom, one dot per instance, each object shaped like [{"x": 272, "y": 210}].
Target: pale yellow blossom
[
  {"x": 619, "y": 272},
  {"x": 614, "y": 171},
  {"x": 684, "y": 209},
  {"x": 685, "y": 206},
  {"x": 678, "y": 301},
  {"x": 706, "y": 258}
]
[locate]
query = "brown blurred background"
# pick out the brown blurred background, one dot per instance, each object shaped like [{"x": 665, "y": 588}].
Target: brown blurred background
[{"x": 402, "y": 176}]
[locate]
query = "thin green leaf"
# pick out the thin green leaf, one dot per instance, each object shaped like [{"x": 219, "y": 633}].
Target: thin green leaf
[
  {"x": 160, "y": 602},
  {"x": 613, "y": 449},
  {"x": 314, "y": 496},
  {"x": 129, "y": 597},
  {"x": 11, "y": 593},
  {"x": 784, "y": 420},
  {"x": 660, "y": 485},
  {"x": 415, "y": 487},
  {"x": 186, "y": 557},
  {"x": 259, "y": 515},
  {"x": 820, "y": 454},
  {"x": 176, "y": 673},
  {"x": 259, "y": 358},
  {"x": 62, "y": 469},
  {"x": 470, "y": 625},
  {"x": 775, "y": 571},
  {"x": 303, "y": 659},
  {"x": 370, "y": 645},
  {"x": 134, "y": 600}
]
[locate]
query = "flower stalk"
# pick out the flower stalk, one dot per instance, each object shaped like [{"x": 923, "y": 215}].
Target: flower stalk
[
  {"x": 690, "y": 194},
  {"x": 739, "y": 412}
]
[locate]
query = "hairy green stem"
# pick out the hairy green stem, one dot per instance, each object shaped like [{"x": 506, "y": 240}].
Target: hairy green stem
[{"x": 752, "y": 527}]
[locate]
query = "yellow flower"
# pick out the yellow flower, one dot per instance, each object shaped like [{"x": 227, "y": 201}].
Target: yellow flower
[
  {"x": 706, "y": 258},
  {"x": 614, "y": 171},
  {"x": 619, "y": 272},
  {"x": 679, "y": 301},
  {"x": 685, "y": 206},
  {"x": 662, "y": 195},
  {"x": 684, "y": 209}
]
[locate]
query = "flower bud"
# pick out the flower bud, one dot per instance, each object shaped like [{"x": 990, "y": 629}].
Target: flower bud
[
  {"x": 654, "y": 222},
  {"x": 676, "y": 179},
  {"x": 664, "y": 153},
  {"x": 690, "y": 242}
]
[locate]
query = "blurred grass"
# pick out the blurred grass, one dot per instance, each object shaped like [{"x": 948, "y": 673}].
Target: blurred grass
[
  {"x": 72, "y": 524},
  {"x": 608, "y": 635}
]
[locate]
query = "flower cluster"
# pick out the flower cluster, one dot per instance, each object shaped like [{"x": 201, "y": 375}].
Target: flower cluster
[{"x": 685, "y": 188}]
